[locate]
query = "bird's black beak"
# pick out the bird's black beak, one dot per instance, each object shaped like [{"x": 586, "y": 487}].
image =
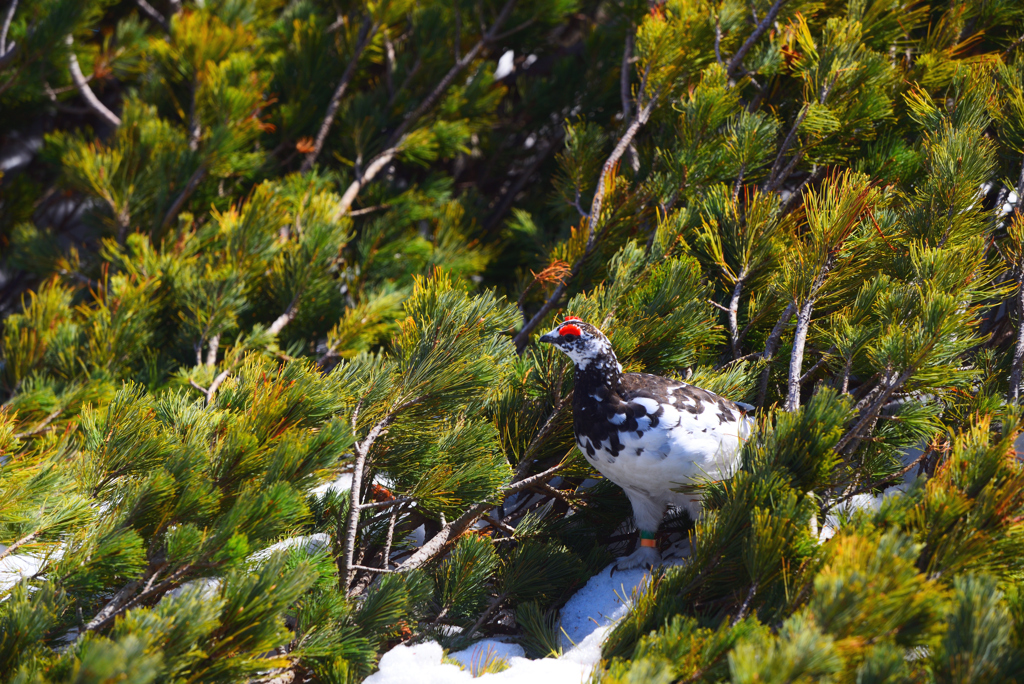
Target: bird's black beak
[{"x": 550, "y": 337}]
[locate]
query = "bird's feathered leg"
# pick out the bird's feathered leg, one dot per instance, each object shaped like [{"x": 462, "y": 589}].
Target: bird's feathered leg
[{"x": 648, "y": 513}]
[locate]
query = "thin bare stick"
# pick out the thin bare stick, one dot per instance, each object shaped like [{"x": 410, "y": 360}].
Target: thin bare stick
[
  {"x": 493, "y": 606},
  {"x": 1018, "y": 352},
  {"x": 179, "y": 202},
  {"x": 366, "y": 33},
  {"x": 83, "y": 87},
  {"x": 362, "y": 451},
  {"x": 373, "y": 168},
  {"x": 284, "y": 319},
  {"x": 215, "y": 385},
  {"x": 734, "y": 308},
  {"x": 454, "y": 529},
  {"x": 774, "y": 174},
  {"x": 41, "y": 427},
  {"x": 7, "y": 26},
  {"x": 624, "y": 95},
  {"x": 817, "y": 366},
  {"x": 27, "y": 539},
  {"x": 153, "y": 14},
  {"x": 770, "y": 347},
  {"x": 763, "y": 26},
  {"x": 851, "y": 440},
  {"x": 383, "y": 571}
]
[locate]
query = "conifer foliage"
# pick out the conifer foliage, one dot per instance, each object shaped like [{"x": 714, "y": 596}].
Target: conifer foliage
[{"x": 271, "y": 274}]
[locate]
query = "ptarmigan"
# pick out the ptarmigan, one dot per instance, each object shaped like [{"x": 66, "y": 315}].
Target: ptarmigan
[{"x": 646, "y": 433}]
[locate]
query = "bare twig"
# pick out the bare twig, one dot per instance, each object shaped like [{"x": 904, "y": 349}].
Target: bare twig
[
  {"x": 624, "y": 95},
  {"x": 817, "y": 366},
  {"x": 774, "y": 177},
  {"x": 734, "y": 307},
  {"x": 770, "y": 347},
  {"x": 84, "y": 89},
  {"x": 1018, "y": 352},
  {"x": 796, "y": 358},
  {"x": 763, "y": 26},
  {"x": 851, "y": 440},
  {"x": 510, "y": 194},
  {"x": 454, "y": 529},
  {"x": 153, "y": 14},
  {"x": 884, "y": 481},
  {"x": 366, "y": 34},
  {"x": 493, "y": 606},
  {"x": 27, "y": 539},
  {"x": 6, "y": 27},
  {"x": 284, "y": 319},
  {"x": 41, "y": 427},
  {"x": 179, "y": 202}
]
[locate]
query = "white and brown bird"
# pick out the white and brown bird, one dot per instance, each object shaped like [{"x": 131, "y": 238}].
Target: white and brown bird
[{"x": 646, "y": 433}]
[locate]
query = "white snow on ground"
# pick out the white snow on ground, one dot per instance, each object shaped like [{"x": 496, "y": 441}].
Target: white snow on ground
[
  {"x": 586, "y": 620},
  {"x": 342, "y": 484},
  {"x": 17, "y": 566}
]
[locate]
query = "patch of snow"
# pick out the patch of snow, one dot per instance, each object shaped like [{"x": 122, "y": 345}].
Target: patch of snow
[
  {"x": 476, "y": 656},
  {"x": 16, "y": 567},
  {"x": 586, "y": 620},
  {"x": 342, "y": 484},
  {"x": 506, "y": 65},
  {"x": 208, "y": 587},
  {"x": 310, "y": 544}
]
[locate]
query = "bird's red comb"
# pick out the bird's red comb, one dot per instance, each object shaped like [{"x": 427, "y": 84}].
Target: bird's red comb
[
  {"x": 570, "y": 329},
  {"x": 573, "y": 318}
]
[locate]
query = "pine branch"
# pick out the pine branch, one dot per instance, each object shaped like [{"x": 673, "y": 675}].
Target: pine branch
[
  {"x": 284, "y": 319},
  {"x": 509, "y": 195},
  {"x": 366, "y": 33},
  {"x": 454, "y": 530},
  {"x": 211, "y": 352},
  {"x": 523, "y": 336},
  {"x": 123, "y": 601},
  {"x": 765, "y": 24},
  {"x": 817, "y": 366},
  {"x": 83, "y": 87},
  {"x": 393, "y": 146}
]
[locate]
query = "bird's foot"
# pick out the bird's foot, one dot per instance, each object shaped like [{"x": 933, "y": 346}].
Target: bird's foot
[{"x": 643, "y": 557}]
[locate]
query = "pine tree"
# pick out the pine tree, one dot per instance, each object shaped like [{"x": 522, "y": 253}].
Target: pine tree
[{"x": 249, "y": 248}]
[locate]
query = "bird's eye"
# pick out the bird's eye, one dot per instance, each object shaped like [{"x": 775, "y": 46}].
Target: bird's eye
[{"x": 570, "y": 329}]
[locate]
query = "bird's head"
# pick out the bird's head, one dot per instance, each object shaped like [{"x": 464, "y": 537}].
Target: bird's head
[{"x": 584, "y": 344}]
